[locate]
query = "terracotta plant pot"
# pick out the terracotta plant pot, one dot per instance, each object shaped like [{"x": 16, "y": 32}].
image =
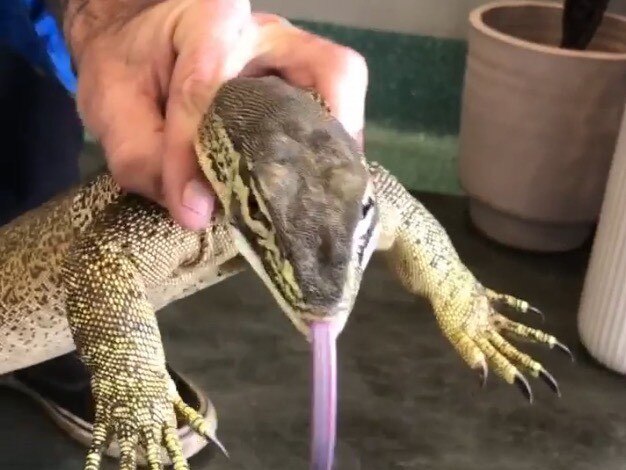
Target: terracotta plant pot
[{"x": 539, "y": 124}]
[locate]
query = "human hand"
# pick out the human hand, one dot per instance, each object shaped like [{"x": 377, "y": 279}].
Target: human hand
[{"x": 146, "y": 77}]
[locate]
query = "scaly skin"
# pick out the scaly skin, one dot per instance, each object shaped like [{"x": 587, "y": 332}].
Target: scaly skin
[
  {"x": 426, "y": 263},
  {"x": 90, "y": 269}
]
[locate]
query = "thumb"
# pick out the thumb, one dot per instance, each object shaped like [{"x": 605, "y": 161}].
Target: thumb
[{"x": 207, "y": 55}]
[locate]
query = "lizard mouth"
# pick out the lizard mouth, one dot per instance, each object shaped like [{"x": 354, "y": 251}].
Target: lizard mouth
[{"x": 324, "y": 394}]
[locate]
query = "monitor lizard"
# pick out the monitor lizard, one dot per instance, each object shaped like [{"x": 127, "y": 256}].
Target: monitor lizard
[{"x": 298, "y": 203}]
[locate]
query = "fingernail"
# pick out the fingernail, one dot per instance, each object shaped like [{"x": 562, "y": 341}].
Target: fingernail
[
  {"x": 198, "y": 199},
  {"x": 268, "y": 18}
]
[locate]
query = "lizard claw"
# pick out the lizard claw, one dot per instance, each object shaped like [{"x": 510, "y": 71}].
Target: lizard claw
[
  {"x": 483, "y": 373},
  {"x": 548, "y": 379},
  {"x": 561, "y": 347},
  {"x": 474, "y": 327},
  {"x": 142, "y": 412},
  {"x": 524, "y": 386},
  {"x": 198, "y": 424},
  {"x": 536, "y": 311},
  {"x": 526, "y": 333}
]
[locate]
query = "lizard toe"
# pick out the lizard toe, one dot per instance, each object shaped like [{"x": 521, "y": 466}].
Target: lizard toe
[
  {"x": 526, "y": 333},
  {"x": 197, "y": 423},
  {"x": 128, "y": 450},
  {"x": 513, "y": 303},
  {"x": 101, "y": 439},
  {"x": 174, "y": 448},
  {"x": 152, "y": 437},
  {"x": 500, "y": 364}
]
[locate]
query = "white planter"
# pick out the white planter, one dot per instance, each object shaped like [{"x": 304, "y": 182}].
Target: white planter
[{"x": 602, "y": 313}]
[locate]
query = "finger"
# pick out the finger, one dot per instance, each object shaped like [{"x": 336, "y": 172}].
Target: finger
[
  {"x": 212, "y": 45},
  {"x": 125, "y": 117},
  {"x": 338, "y": 73}
]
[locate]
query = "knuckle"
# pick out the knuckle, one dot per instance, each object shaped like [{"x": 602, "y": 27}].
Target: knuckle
[
  {"x": 125, "y": 165},
  {"x": 123, "y": 176},
  {"x": 263, "y": 18},
  {"x": 119, "y": 154},
  {"x": 229, "y": 10},
  {"x": 345, "y": 60},
  {"x": 196, "y": 87},
  {"x": 239, "y": 6},
  {"x": 351, "y": 62},
  {"x": 136, "y": 173}
]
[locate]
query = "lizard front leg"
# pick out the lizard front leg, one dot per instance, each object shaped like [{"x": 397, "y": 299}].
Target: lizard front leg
[
  {"x": 421, "y": 254},
  {"x": 107, "y": 276}
]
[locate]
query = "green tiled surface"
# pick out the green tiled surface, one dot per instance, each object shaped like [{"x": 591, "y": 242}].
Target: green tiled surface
[
  {"x": 415, "y": 81},
  {"x": 419, "y": 159},
  {"x": 413, "y": 103}
]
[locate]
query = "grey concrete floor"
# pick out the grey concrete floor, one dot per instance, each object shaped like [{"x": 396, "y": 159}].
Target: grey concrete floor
[{"x": 406, "y": 400}]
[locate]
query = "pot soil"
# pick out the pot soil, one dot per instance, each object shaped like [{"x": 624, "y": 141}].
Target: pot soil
[{"x": 539, "y": 124}]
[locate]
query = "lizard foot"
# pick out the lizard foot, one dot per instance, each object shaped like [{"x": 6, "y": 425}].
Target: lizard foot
[
  {"x": 142, "y": 412},
  {"x": 477, "y": 330}
]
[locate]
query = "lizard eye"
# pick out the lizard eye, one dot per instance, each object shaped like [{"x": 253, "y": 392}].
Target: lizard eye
[
  {"x": 367, "y": 207},
  {"x": 253, "y": 206}
]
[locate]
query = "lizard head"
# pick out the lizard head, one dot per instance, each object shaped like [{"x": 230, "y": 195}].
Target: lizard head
[{"x": 296, "y": 192}]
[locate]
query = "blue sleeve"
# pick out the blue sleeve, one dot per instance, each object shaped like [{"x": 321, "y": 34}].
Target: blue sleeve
[{"x": 30, "y": 30}]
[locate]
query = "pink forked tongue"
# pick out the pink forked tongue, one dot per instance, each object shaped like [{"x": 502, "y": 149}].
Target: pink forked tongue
[{"x": 324, "y": 390}]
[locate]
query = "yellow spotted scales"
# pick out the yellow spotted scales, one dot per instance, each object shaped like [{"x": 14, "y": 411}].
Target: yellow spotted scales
[{"x": 298, "y": 203}]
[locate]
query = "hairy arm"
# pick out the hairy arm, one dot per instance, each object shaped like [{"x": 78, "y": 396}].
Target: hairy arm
[{"x": 81, "y": 19}]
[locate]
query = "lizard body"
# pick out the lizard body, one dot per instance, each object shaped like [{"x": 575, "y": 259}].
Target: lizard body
[
  {"x": 33, "y": 323},
  {"x": 300, "y": 205}
]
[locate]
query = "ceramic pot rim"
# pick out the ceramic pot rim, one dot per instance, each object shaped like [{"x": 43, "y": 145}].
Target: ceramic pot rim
[{"x": 477, "y": 22}]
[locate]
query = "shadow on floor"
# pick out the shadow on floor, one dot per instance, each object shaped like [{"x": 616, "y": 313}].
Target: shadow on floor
[{"x": 406, "y": 400}]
